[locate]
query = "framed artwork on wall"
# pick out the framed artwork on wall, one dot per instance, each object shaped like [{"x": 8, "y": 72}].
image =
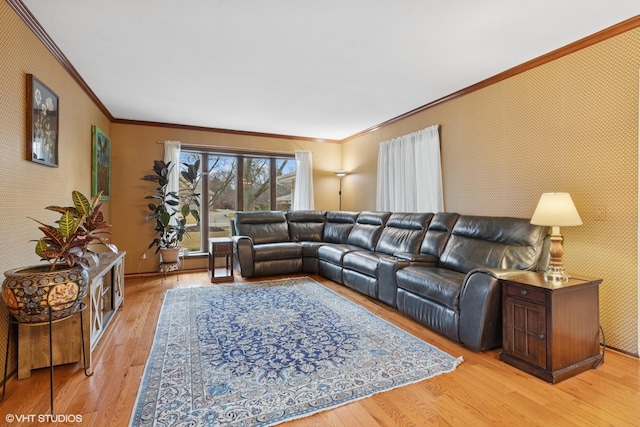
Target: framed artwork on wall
[
  {"x": 101, "y": 164},
  {"x": 42, "y": 123}
]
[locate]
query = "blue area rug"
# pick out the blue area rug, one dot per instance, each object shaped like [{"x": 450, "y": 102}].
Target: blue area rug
[{"x": 258, "y": 354}]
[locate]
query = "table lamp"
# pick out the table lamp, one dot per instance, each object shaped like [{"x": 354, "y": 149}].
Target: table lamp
[{"x": 556, "y": 210}]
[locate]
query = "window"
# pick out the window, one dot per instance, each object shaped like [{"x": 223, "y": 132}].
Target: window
[
  {"x": 256, "y": 184},
  {"x": 266, "y": 183},
  {"x": 285, "y": 181}
]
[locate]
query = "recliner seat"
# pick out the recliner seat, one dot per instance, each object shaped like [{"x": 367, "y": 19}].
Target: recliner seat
[
  {"x": 402, "y": 232},
  {"x": 363, "y": 237}
]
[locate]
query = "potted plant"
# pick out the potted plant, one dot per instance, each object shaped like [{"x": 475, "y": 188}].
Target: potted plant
[
  {"x": 34, "y": 293},
  {"x": 170, "y": 210}
]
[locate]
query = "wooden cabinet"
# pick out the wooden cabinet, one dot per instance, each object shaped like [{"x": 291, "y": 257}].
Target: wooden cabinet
[
  {"x": 105, "y": 294},
  {"x": 220, "y": 259},
  {"x": 550, "y": 329},
  {"x": 106, "y": 290}
]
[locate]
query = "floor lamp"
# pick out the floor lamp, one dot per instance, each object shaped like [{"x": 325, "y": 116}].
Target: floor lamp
[{"x": 340, "y": 174}]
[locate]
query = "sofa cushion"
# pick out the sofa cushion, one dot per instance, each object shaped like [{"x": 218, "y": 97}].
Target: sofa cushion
[
  {"x": 310, "y": 249},
  {"x": 306, "y": 226},
  {"x": 338, "y": 225},
  {"x": 269, "y": 251},
  {"x": 438, "y": 233},
  {"x": 367, "y": 230},
  {"x": 365, "y": 262},
  {"x": 334, "y": 252},
  {"x": 436, "y": 284},
  {"x": 493, "y": 242},
  {"x": 403, "y": 232},
  {"x": 262, "y": 227}
]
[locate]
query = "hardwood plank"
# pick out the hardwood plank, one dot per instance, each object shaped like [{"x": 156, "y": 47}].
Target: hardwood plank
[{"x": 482, "y": 391}]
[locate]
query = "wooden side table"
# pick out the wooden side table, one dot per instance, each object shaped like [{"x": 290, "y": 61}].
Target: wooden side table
[
  {"x": 220, "y": 247},
  {"x": 550, "y": 329}
]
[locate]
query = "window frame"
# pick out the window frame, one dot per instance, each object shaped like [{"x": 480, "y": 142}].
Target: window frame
[{"x": 240, "y": 155}]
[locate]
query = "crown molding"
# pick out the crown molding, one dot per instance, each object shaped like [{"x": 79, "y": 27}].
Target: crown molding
[
  {"x": 21, "y": 10},
  {"x": 598, "y": 37},
  {"x": 219, "y": 130},
  {"x": 19, "y": 7}
]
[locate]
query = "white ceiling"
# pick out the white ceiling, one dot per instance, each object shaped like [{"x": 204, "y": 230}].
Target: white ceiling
[{"x": 320, "y": 69}]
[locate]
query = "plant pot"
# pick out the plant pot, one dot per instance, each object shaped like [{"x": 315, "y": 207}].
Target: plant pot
[
  {"x": 169, "y": 254},
  {"x": 30, "y": 292}
]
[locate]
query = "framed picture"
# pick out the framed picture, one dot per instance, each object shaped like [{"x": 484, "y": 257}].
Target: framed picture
[
  {"x": 101, "y": 164},
  {"x": 42, "y": 123}
]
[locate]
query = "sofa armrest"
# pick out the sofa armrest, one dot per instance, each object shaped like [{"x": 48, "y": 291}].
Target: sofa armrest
[
  {"x": 498, "y": 273},
  {"x": 243, "y": 255},
  {"x": 413, "y": 257},
  {"x": 387, "y": 283},
  {"x": 481, "y": 308}
]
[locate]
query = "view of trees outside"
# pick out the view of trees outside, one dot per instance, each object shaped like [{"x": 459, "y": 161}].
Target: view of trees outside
[
  {"x": 257, "y": 184},
  {"x": 191, "y": 239},
  {"x": 222, "y": 199},
  {"x": 223, "y": 193},
  {"x": 285, "y": 183}
]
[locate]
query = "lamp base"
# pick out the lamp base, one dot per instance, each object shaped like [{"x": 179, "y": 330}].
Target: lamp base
[{"x": 555, "y": 273}]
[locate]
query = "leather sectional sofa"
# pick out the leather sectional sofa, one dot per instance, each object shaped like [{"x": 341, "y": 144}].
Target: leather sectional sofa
[{"x": 440, "y": 269}]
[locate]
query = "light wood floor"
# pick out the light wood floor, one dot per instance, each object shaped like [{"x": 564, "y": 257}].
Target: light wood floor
[{"x": 481, "y": 391}]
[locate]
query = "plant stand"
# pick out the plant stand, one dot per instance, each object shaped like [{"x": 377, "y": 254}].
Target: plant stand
[
  {"x": 12, "y": 320},
  {"x": 168, "y": 267}
]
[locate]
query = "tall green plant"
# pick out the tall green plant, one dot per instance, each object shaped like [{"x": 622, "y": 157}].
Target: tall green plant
[
  {"x": 170, "y": 220},
  {"x": 79, "y": 226}
]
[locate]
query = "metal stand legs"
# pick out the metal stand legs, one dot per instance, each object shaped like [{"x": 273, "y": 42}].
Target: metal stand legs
[{"x": 12, "y": 321}]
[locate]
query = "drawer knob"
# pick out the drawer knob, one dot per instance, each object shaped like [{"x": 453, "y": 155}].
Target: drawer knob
[
  {"x": 541, "y": 336},
  {"x": 524, "y": 292}
]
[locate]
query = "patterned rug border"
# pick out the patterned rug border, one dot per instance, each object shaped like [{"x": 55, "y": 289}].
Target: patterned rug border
[{"x": 274, "y": 283}]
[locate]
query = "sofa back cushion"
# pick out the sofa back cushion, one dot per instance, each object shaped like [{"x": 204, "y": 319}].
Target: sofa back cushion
[
  {"x": 368, "y": 228},
  {"x": 338, "y": 225},
  {"x": 306, "y": 226},
  {"x": 403, "y": 232},
  {"x": 493, "y": 242},
  {"x": 438, "y": 233},
  {"x": 262, "y": 226}
]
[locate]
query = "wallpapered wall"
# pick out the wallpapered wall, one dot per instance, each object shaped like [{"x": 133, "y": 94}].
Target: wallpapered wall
[
  {"x": 29, "y": 187},
  {"x": 569, "y": 125}
]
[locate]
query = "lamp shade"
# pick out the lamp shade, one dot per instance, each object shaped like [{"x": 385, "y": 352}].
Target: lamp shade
[{"x": 556, "y": 209}]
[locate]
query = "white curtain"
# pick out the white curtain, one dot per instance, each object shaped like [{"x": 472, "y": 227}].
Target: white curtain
[
  {"x": 409, "y": 173},
  {"x": 172, "y": 154},
  {"x": 303, "y": 190}
]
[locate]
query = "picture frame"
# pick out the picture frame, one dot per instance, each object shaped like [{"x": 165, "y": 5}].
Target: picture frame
[
  {"x": 100, "y": 164},
  {"x": 42, "y": 123}
]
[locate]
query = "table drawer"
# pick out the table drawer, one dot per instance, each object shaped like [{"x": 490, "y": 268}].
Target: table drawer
[
  {"x": 526, "y": 293},
  {"x": 222, "y": 248}
]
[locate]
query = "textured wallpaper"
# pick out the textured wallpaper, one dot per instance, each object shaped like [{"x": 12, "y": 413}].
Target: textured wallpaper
[
  {"x": 569, "y": 125},
  {"x": 28, "y": 187}
]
